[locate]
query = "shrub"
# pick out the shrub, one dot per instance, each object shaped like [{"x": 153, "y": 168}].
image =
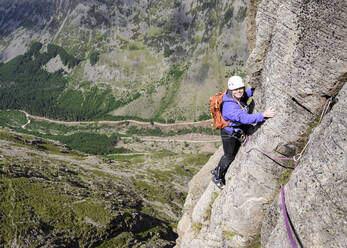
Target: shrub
[
  {"x": 94, "y": 57},
  {"x": 196, "y": 226}
]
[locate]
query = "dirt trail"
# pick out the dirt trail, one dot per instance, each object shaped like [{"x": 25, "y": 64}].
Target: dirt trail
[
  {"x": 170, "y": 126},
  {"x": 178, "y": 143}
]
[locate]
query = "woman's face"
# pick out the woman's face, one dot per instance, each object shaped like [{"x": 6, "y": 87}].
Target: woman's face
[{"x": 238, "y": 93}]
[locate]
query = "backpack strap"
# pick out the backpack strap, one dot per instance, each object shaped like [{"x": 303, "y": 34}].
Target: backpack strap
[{"x": 238, "y": 102}]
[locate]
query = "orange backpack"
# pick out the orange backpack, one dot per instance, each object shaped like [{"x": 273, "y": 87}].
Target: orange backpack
[{"x": 215, "y": 110}]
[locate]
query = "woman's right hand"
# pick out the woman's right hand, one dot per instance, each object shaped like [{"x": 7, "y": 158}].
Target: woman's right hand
[{"x": 269, "y": 113}]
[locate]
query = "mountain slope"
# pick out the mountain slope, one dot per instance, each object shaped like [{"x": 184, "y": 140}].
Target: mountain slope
[
  {"x": 130, "y": 47},
  {"x": 55, "y": 196}
]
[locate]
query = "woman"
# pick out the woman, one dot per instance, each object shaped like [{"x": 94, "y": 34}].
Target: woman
[{"x": 236, "y": 112}]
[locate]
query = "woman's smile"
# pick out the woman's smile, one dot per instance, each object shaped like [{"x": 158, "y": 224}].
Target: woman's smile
[{"x": 238, "y": 93}]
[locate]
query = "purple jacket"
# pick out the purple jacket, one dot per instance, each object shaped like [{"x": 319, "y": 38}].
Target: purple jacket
[{"x": 232, "y": 111}]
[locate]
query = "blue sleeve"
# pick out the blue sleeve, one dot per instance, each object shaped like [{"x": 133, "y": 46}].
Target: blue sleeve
[
  {"x": 249, "y": 92},
  {"x": 231, "y": 111}
]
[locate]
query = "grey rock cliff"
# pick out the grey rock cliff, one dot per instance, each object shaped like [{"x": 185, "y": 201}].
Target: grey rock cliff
[
  {"x": 299, "y": 60},
  {"x": 316, "y": 195}
]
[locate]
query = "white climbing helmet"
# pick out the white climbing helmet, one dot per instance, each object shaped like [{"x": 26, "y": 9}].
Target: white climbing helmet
[{"x": 235, "y": 82}]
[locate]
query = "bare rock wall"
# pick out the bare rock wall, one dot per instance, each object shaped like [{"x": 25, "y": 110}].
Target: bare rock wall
[{"x": 316, "y": 195}]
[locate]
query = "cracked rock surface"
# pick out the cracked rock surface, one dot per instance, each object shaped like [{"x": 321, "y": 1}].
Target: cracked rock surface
[{"x": 316, "y": 195}]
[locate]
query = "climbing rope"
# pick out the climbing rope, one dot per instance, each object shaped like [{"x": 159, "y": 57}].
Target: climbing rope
[
  {"x": 325, "y": 109},
  {"x": 285, "y": 215},
  {"x": 296, "y": 159}
]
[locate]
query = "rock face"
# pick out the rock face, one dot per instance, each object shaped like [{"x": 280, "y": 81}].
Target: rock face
[
  {"x": 316, "y": 193},
  {"x": 298, "y": 62},
  {"x": 55, "y": 64}
]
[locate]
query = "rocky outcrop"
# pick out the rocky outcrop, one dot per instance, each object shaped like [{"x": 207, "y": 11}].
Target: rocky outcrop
[
  {"x": 252, "y": 8},
  {"x": 298, "y": 62},
  {"x": 316, "y": 194},
  {"x": 24, "y": 22},
  {"x": 197, "y": 186},
  {"x": 55, "y": 64}
]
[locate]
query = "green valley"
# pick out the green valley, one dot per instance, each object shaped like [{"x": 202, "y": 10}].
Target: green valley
[{"x": 64, "y": 194}]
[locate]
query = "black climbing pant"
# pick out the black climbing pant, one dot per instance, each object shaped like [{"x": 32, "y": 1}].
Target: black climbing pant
[{"x": 231, "y": 146}]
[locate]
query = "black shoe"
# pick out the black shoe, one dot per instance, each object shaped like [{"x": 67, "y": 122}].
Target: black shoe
[
  {"x": 214, "y": 171},
  {"x": 218, "y": 182}
]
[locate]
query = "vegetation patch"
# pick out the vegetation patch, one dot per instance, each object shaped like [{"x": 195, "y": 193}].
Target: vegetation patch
[
  {"x": 92, "y": 209},
  {"x": 125, "y": 157},
  {"x": 151, "y": 191},
  {"x": 93, "y": 58},
  {"x": 85, "y": 105},
  {"x": 313, "y": 125},
  {"x": 102, "y": 174},
  {"x": 172, "y": 83},
  {"x": 228, "y": 234},
  {"x": 196, "y": 227},
  {"x": 284, "y": 177},
  {"x": 256, "y": 243},
  {"x": 193, "y": 162},
  {"x": 160, "y": 175},
  {"x": 207, "y": 213},
  {"x": 122, "y": 240},
  {"x": 92, "y": 143},
  {"x": 10, "y": 118},
  {"x": 156, "y": 131}
]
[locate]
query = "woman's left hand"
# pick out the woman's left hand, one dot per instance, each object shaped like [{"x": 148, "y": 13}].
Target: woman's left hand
[{"x": 269, "y": 113}]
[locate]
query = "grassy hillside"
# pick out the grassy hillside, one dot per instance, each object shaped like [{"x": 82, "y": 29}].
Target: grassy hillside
[
  {"x": 119, "y": 54},
  {"x": 54, "y": 198},
  {"x": 53, "y": 195},
  {"x": 26, "y": 85}
]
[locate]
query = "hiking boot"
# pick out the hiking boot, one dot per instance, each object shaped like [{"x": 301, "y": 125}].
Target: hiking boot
[{"x": 218, "y": 182}]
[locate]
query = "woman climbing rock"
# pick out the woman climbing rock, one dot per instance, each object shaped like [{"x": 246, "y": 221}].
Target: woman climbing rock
[{"x": 236, "y": 112}]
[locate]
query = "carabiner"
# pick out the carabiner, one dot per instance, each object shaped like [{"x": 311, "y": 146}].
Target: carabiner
[{"x": 297, "y": 157}]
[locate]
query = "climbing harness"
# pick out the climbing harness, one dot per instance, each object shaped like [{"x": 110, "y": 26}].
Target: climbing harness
[
  {"x": 296, "y": 158},
  {"x": 240, "y": 136}
]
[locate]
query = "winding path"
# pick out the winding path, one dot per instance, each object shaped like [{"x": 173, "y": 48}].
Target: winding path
[
  {"x": 28, "y": 119},
  {"x": 205, "y": 123},
  {"x": 172, "y": 126}
]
